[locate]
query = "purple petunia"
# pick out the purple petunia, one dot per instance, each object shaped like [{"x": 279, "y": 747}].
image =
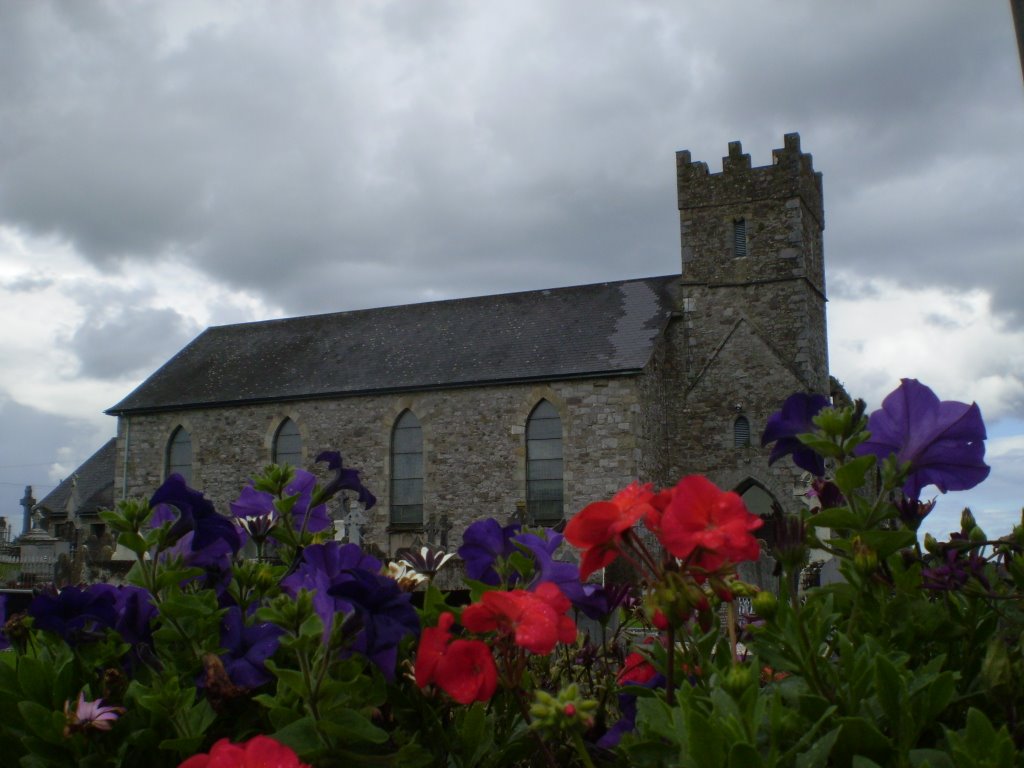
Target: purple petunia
[
  {"x": 83, "y": 614},
  {"x": 76, "y": 615},
  {"x": 346, "y": 582},
  {"x": 255, "y": 508},
  {"x": 943, "y": 441},
  {"x": 213, "y": 536},
  {"x": 247, "y": 648},
  {"x": 344, "y": 479},
  {"x": 785, "y": 426},
  {"x": 483, "y": 542}
]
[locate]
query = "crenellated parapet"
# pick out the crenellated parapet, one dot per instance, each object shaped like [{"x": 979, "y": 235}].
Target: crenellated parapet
[{"x": 791, "y": 175}]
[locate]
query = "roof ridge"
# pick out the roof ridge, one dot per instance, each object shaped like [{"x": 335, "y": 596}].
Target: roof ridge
[{"x": 438, "y": 302}]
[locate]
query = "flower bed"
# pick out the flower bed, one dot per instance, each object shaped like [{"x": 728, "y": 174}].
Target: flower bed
[{"x": 314, "y": 652}]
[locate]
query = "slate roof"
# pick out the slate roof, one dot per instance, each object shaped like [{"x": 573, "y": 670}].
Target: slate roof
[
  {"x": 588, "y": 330},
  {"x": 95, "y": 484}
]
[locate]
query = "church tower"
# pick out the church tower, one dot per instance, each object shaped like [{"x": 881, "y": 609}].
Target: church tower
[
  {"x": 752, "y": 251},
  {"x": 750, "y": 329}
]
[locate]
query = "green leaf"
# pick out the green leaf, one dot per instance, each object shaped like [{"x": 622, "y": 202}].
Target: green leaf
[
  {"x": 857, "y": 736},
  {"x": 185, "y": 746},
  {"x": 40, "y": 721},
  {"x": 349, "y": 725},
  {"x": 744, "y": 756},
  {"x": 35, "y": 680},
  {"x": 930, "y": 758},
  {"x": 890, "y": 690},
  {"x": 838, "y": 517},
  {"x": 851, "y": 476},
  {"x": 886, "y": 543},
  {"x": 301, "y": 735},
  {"x": 476, "y": 734},
  {"x": 291, "y": 679},
  {"x": 817, "y": 755}
]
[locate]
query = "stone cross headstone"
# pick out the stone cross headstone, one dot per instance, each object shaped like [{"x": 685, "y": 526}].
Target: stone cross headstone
[
  {"x": 432, "y": 529},
  {"x": 354, "y": 522},
  {"x": 27, "y": 502},
  {"x": 445, "y": 526}
]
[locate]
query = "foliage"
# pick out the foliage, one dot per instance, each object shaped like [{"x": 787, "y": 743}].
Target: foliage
[{"x": 314, "y": 652}]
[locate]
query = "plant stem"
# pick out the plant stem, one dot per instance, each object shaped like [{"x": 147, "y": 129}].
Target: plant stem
[
  {"x": 581, "y": 749},
  {"x": 670, "y": 672}
]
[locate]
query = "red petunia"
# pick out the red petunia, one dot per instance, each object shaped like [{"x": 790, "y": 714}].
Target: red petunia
[
  {"x": 257, "y": 752},
  {"x": 464, "y": 669},
  {"x": 536, "y": 620},
  {"x": 599, "y": 527},
  {"x": 707, "y": 526}
]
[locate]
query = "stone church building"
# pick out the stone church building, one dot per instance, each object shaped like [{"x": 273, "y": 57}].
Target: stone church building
[{"x": 524, "y": 405}]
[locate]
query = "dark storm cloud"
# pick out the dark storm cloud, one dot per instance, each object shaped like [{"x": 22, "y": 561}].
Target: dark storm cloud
[
  {"x": 337, "y": 157},
  {"x": 128, "y": 341}
]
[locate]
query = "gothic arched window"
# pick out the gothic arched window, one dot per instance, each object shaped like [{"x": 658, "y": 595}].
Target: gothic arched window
[
  {"x": 407, "y": 471},
  {"x": 544, "y": 487},
  {"x": 288, "y": 444},
  {"x": 179, "y": 454},
  {"x": 741, "y": 432}
]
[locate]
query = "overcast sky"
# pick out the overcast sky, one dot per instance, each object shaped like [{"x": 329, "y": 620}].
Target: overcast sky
[{"x": 168, "y": 166}]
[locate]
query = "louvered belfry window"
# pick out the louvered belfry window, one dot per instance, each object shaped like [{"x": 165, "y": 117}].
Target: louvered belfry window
[
  {"x": 179, "y": 454},
  {"x": 544, "y": 494},
  {"x": 407, "y": 471},
  {"x": 739, "y": 238},
  {"x": 288, "y": 444},
  {"x": 741, "y": 432}
]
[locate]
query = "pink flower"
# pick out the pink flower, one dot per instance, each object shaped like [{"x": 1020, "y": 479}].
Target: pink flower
[
  {"x": 90, "y": 715},
  {"x": 257, "y": 752}
]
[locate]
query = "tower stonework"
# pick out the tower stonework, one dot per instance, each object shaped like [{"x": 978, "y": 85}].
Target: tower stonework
[
  {"x": 775, "y": 277},
  {"x": 751, "y": 326}
]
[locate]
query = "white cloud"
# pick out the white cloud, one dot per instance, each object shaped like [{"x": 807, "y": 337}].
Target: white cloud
[{"x": 880, "y": 332}]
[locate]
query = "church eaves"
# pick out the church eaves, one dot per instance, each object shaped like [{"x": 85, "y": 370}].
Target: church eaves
[{"x": 601, "y": 329}]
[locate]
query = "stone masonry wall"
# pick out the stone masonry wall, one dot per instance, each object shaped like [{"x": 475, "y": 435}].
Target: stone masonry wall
[{"x": 474, "y": 445}]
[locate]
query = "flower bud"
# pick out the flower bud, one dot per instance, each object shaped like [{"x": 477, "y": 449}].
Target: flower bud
[
  {"x": 765, "y": 604},
  {"x": 931, "y": 544},
  {"x": 738, "y": 679},
  {"x": 865, "y": 559},
  {"x": 967, "y": 521},
  {"x": 719, "y": 587},
  {"x": 562, "y": 711},
  {"x": 977, "y": 535}
]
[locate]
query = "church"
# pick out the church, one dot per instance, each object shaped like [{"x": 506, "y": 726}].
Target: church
[{"x": 522, "y": 406}]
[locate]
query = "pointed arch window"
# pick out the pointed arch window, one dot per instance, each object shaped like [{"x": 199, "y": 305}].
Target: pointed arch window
[
  {"x": 741, "y": 432},
  {"x": 288, "y": 444},
  {"x": 544, "y": 468},
  {"x": 179, "y": 454},
  {"x": 407, "y": 471}
]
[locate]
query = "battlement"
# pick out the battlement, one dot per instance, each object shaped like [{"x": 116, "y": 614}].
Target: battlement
[{"x": 791, "y": 175}]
